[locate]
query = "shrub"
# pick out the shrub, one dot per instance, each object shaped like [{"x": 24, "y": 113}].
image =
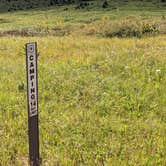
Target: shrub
[
  {"x": 149, "y": 28},
  {"x": 126, "y": 28}
]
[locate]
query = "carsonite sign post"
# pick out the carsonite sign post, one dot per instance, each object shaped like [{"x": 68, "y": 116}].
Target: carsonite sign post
[{"x": 32, "y": 96}]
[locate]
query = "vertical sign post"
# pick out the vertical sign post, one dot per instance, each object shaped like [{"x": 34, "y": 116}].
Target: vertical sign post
[{"x": 32, "y": 97}]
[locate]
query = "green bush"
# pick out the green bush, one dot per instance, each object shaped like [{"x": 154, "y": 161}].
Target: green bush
[
  {"x": 126, "y": 28},
  {"x": 149, "y": 28}
]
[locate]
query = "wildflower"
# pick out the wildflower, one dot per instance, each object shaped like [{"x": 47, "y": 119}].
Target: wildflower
[{"x": 158, "y": 71}]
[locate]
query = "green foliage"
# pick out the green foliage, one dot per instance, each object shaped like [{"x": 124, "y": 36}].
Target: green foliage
[
  {"x": 13, "y": 5},
  {"x": 101, "y": 100},
  {"x": 125, "y": 21},
  {"x": 125, "y": 28}
]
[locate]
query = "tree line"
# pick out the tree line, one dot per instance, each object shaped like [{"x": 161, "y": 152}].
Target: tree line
[{"x": 28, "y": 4}]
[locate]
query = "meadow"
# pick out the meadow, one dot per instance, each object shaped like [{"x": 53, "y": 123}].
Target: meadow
[{"x": 102, "y": 100}]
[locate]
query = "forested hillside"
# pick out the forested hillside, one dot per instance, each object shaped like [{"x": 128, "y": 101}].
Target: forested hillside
[{"x": 11, "y": 5}]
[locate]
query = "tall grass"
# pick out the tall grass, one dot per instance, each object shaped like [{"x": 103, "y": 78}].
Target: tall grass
[
  {"x": 102, "y": 92},
  {"x": 102, "y": 101}
]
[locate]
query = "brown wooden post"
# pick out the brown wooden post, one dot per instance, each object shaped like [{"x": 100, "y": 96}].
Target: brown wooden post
[{"x": 32, "y": 98}]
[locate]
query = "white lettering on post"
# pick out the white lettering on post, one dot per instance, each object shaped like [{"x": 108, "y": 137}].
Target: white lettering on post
[{"x": 32, "y": 79}]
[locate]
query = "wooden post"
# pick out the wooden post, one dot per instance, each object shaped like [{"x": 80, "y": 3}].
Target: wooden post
[{"x": 32, "y": 98}]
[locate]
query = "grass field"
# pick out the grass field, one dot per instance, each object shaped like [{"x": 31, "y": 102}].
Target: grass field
[
  {"x": 102, "y": 101},
  {"x": 63, "y": 22}
]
